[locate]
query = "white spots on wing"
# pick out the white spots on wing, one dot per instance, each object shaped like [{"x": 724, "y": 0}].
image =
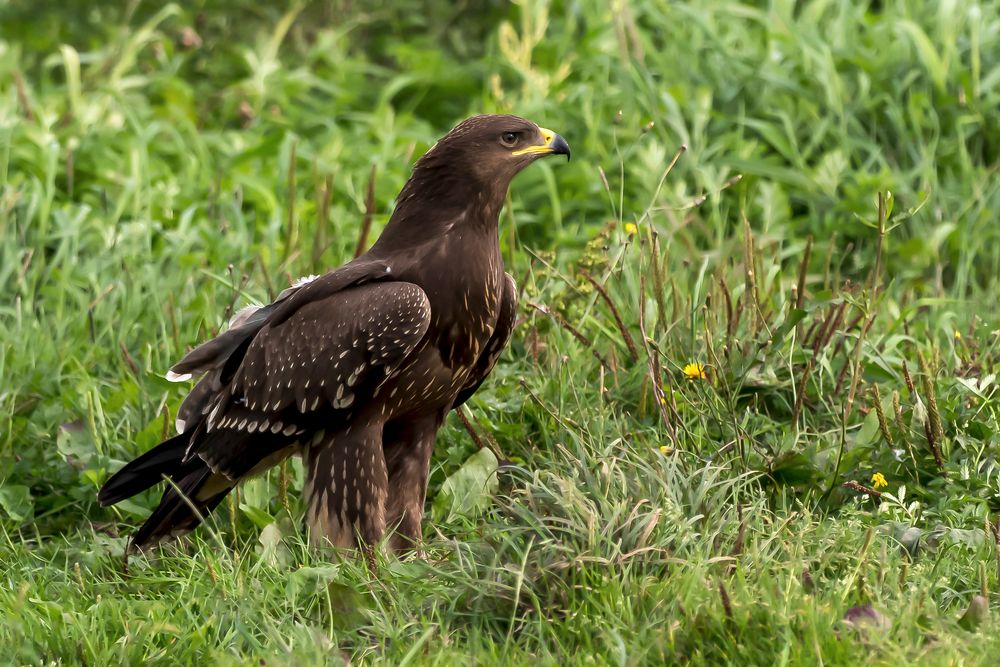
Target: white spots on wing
[
  {"x": 304, "y": 280},
  {"x": 353, "y": 377},
  {"x": 179, "y": 425},
  {"x": 177, "y": 377},
  {"x": 276, "y": 426}
]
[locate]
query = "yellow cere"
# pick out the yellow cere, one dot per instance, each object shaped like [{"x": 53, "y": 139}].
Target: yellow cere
[
  {"x": 695, "y": 371},
  {"x": 879, "y": 481},
  {"x": 548, "y": 136}
]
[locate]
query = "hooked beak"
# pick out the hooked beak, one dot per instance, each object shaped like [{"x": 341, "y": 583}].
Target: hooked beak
[{"x": 552, "y": 144}]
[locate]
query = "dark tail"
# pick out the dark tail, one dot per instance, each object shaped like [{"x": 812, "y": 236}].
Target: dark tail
[
  {"x": 194, "y": 490},
  {"x": 148, "y": 470},
  {"x": 183, "y": 507}
]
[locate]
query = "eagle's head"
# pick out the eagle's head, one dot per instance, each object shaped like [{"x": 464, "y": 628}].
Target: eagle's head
[
  {"x": 485, "y": 152},
  {"x": 465, "y": 177}
]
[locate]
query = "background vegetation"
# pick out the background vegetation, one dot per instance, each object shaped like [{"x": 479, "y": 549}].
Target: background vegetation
[{"x": 826, "y": 247}]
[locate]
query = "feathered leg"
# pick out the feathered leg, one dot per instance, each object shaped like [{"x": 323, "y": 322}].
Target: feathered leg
[
  {"x": 408, "y": 446},
  {"x": 346, "y": 487}
]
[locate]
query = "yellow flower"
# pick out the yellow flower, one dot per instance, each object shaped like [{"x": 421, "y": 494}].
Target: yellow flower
[
  {"x": 879, "y": 481},
  {"x": 630, "y": 229},
  {"x": 958, "y": 335},
  {"x": 695, "y": 371},
  {"x": 665, "y": 450}
]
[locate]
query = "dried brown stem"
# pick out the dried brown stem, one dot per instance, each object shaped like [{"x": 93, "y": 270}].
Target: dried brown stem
[
  {"x": 801, "y": 394},
  {"x": 840, "y": 341},
  {"x": 290, "y": 223},
  {"x": 909, "y": 382},
  {"x": 834, "y": 325},
  {"x": 283, "y": 480},
  {"x": 573, "y": 331},
  {"x": 855, "y": 366},
  {"x": 322, "y": 222},
  {"x": 626, "y": 336},
  {"x": 127, "y": 356},
  {"x": 727, "y": 298},
  {"x": 727, "y": 604},
  {"x": 22, "y": 96},
  {"x": 658, "y": 284},
  {"x": 653, "y": 365},
  {"x": 366, "y": 224},
  {"x": 469, "y": 428},
  {"x": 932, "y": 424},
  {"x": 861, "y": 488},
  {"x": 750, "y": 278},
  {"x": 803, "y": 269}
]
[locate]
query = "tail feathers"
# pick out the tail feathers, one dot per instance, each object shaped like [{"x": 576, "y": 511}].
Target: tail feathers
[
  {"x": 167, "y": 458},
  {"x": 183, "y": 506}
]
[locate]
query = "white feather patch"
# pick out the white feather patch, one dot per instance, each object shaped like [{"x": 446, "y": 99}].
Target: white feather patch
[
  {"x": 243, "y": 314},
  {"x": 179, "y": 424},
  {"x": 304, "y": 280},
  {"x": 177, "y": 377}
]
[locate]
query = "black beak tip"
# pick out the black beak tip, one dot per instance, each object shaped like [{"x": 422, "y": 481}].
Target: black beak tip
[{"x": 560, "y": 147}]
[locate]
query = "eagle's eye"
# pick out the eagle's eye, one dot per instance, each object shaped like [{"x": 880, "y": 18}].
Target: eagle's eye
[{"x": 509, "y": 139}]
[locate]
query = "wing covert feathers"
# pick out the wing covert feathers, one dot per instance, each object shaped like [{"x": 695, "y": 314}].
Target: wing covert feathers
[{"x": 217, "y": 351}]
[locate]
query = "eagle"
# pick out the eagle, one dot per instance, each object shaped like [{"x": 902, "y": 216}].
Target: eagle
[{"x": 355, "y": 370}]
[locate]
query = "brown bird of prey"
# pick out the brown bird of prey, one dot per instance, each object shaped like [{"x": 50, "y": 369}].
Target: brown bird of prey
[{"x": 355, "y": 370}]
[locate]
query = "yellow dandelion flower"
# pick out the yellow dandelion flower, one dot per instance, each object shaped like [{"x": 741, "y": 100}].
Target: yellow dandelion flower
[
  {"x": 695, "y": 371},
  {"x": 879, "y": 481},
  {"x": 630, "y": 229},
  {"x": 665, "y": 450},
  {"x": 958, "y": 335}
]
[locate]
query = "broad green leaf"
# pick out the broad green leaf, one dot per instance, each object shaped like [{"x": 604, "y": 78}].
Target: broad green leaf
[
  {"x": 467, "y": 492},
  {"x": 16, "y": 501}
]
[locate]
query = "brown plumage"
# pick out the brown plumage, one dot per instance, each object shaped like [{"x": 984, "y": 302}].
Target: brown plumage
[{"x": 356, "y": 370}]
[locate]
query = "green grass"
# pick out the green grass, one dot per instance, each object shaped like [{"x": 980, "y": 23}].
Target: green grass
[{"x": 831, "y": 231}]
